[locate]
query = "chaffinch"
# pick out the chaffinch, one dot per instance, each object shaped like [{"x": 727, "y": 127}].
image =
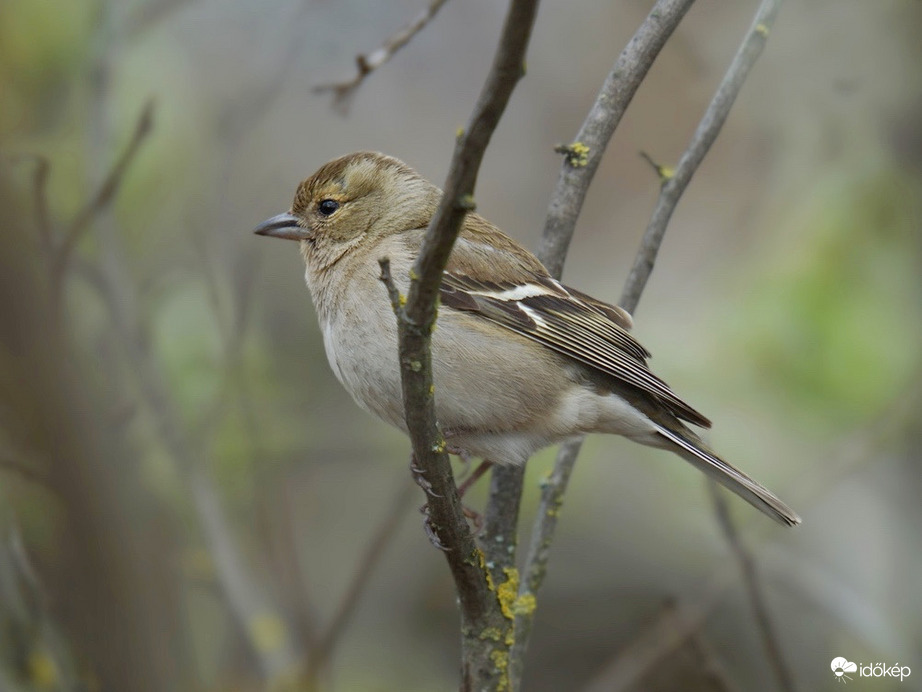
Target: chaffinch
[{"x": 519, "y": 360}]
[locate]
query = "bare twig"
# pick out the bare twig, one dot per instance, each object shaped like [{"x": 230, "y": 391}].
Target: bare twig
[
  {"x": 545, "y": 524},
  {"x": 708, "y": 129},
  {"x": 40, "y": 201},
  {"x": 366, "y": 64},
  {"x": 484, "y": 657},
  {"x": 100, "y": 200},
  {"x": 380, "y": 541},
  {"x": 582, "y": 157},
  {"x": 753, "y": 590}
]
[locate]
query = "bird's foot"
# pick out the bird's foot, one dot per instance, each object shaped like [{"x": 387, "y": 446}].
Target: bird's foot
[{"x": 473, "y": 477}]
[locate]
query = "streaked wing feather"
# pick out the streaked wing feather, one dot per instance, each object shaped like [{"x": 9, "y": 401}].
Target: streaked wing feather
[{"x": 566, "y": 322}]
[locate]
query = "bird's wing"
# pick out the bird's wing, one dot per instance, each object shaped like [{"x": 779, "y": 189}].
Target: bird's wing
[{"x": 567, "y": 321}]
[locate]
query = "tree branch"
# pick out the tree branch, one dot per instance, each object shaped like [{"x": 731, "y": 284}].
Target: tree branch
[
  {"x": 100, "y": 200},
  {"x": 486, "y": 613},
  {"x": 366, "y": 64},
  {"x": 708, "y": 129}
]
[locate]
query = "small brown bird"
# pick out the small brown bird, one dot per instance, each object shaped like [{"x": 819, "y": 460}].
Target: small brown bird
[{"x": 519, "y": 360}]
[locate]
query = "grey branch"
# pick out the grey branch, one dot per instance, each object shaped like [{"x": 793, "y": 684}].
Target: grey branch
[
  {"x": 366, "y": 64},
  {"x": 708, "y": 129},
  {"x": 480, "y": 607},
  {"x": 582, "y": 157}
]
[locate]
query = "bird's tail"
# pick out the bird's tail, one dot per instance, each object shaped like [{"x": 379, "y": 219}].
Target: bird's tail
[{"x": 693, "y": 450}]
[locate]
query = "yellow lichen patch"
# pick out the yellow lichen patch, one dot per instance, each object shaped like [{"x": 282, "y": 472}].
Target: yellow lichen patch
[
  {"x": 402, "y": 299},
  {"x": 491, "y": 633},
  {"x": 413, "y": 275},
  {"x": 761, "y": 29},
  {"x": 43, "y": 672},
  {"x": 525, "y": 604},
  {"x": 439, "y": 446},
  {"x": 267, "y": 632},
  {"x": 500, "y": 659},
  {"x": 459, "y": 133},
  {"x": 508, "y": 591},
  {"x": 467, "y": 202},
  {"x": 577, "y": 153},
  {"x": 482, "y": 561}
]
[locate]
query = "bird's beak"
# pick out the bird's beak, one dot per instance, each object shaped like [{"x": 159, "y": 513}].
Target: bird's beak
[{"x": 283, "y": 226}]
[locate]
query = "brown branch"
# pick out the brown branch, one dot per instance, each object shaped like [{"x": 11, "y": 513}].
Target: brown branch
[
  {"x": 366, "y": 64},
  {"x": 100, "y": 200},
  {"x": 708, "y": 129},
  {"x": 753, "y": 590},
  {"x": 486, "y": 622}
]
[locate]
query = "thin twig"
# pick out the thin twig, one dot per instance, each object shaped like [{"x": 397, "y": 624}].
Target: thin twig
[
  {"x": 40, "y": 202},
  {"x": 545, "y": 524},
  {"x": 101, "y": 199},
  {"x": 366, "y": 64},
  {"x": 753, "y": 590},
  {"x": 380, "y": 541},
  {"x": 708, "y": 129},
  {"x": 483, "y": 657}
]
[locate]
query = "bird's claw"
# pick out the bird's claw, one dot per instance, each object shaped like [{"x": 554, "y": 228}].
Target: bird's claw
[
  {"x": 419, "y": 476},
  {"x": 429, "y": 528}
]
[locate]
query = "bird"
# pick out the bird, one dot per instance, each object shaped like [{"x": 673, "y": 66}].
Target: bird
[{"x": 520, "y": 361}]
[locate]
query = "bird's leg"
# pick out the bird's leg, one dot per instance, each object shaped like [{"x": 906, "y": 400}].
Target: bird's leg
[
  {"x": 419, "y": 475},
  {"x": 475, "y": 516},
  {"x": 474, "y": 477}
]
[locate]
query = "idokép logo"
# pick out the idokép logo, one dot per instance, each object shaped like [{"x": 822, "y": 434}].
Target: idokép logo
[{"x": 842, "y": 666}]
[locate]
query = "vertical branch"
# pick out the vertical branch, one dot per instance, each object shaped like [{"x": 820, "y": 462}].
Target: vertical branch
[{"x": 484, "y": 657}]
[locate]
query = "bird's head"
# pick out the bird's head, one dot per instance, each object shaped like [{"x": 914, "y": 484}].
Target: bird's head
[{"x": 355, "y": 200}]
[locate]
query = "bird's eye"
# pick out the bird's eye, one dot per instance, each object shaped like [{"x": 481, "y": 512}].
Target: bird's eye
[{"x": 327, "y": 206}]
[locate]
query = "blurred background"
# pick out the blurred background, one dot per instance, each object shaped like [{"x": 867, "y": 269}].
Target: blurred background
[{"x": 189, "y": 501}]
